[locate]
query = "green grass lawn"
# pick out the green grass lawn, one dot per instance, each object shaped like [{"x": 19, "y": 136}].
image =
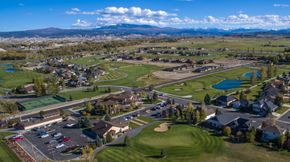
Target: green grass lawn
[
  {"x": 133, "y": 72},
  {"x": 7, "y": 155},
  {"x": 112, "y": 75},
  {"x": 76, "y": 95},
  {"x": 199, "y": 87},
  {"x": 255, "y": 92},
  {"x": 185, "y": 143},
  {"x": 133, "y": 125},
  {"x": 282, "y": 109},
  {"x": 21, "y": 77},
  {"x": 146, "y": 119}
]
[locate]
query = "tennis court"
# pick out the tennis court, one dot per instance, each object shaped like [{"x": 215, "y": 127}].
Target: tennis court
[{"x": 40, "y": 102}]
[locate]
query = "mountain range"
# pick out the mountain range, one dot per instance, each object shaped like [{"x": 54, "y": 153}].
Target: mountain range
[{"x": 133, "y": 29}]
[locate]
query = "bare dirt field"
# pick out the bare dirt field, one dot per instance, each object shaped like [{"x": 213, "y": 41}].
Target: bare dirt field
[
  {"x": 173, "y": 75},
  {"x": 148, "y": 62}
]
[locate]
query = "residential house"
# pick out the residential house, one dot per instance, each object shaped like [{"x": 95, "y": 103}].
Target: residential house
[
  {"x": 205, "y": 68},
  {"x": 272, "y": 132},
  {"x": 221, "y": 120},
  {"x": 234, "y": 121},
  {"x": 114, "y": 103},
  {"x": 263, "y": 106},
  {"x": 225, "y": 100},
  {"x": 104, "y": 128}
]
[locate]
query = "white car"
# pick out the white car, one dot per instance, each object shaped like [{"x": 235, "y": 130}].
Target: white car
[
  {"x": 59, "y": 145},
  {"x": 57, "y": 135},
  {"x": 17, "y": 136},
  {"x": 69, "y": 124},
  {"x": 44, "y": 135}
]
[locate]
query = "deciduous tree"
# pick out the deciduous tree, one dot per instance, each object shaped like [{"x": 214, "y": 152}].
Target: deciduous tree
[{"x": 227, "y": 131}]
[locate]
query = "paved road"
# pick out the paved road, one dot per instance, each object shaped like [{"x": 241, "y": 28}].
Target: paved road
[{"x": 125, "y": 88}]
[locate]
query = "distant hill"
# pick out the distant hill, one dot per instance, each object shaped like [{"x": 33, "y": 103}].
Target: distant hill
[{"x": 145, "y": 30}]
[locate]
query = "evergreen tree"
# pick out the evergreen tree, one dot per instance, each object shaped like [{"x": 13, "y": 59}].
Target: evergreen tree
[
  {"x": 217, "y": 111},
  {"x": 107, "y": 117},
  {"x": 155, "y": 96},
  {"x": 173, "y": 101},
  {"x": 179, "y": 112},
  {"x": 207, "y": 99}
]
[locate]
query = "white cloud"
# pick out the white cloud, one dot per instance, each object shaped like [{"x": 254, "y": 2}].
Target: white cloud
[
  {"x": 82, "y": 24},
  {"x": 246, "y": 21},
  {"x": 281, "y": 5},
  {"x": 136, "y": 15}
]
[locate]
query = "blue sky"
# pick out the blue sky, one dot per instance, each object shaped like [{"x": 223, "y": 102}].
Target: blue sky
[{"x": 226, "y": 14}]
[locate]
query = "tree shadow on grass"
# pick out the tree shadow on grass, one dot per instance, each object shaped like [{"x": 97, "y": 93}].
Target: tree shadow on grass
[
  {"x": 155, "y": 156},
  {"x": 117, "y": 145}
]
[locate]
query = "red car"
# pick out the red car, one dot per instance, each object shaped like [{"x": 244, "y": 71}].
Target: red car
[
  {"x": 66, "y": 139},
  {"x": 18, "y": 139}
]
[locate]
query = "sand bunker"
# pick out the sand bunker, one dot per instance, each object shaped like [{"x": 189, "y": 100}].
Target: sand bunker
[{"x": 162, "y": 127}]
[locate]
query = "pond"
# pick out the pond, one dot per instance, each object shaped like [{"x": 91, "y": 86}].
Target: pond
[
  {"x": 10, "y": 70},
  {"x": 248, "y": 75},
  {"x": 228, "y": 84}
]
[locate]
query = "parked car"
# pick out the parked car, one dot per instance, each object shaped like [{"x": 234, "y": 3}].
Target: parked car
[
  {"x": 136, "y": 115},
  {"x": 57, "y": 134},
  {"x": 51, "y": 141},
  {"x": 69, "y": 125},
  {"x": 59, "y": 145},
  {"x": 44, "y": 135},
  {"x": 66, "y": 139},
  {"x": 18, "y": 138},
  {"x": 148, "y": 111}
]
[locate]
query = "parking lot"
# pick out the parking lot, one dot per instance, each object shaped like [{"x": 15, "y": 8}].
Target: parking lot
[{"x": 58, "y": 136}]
